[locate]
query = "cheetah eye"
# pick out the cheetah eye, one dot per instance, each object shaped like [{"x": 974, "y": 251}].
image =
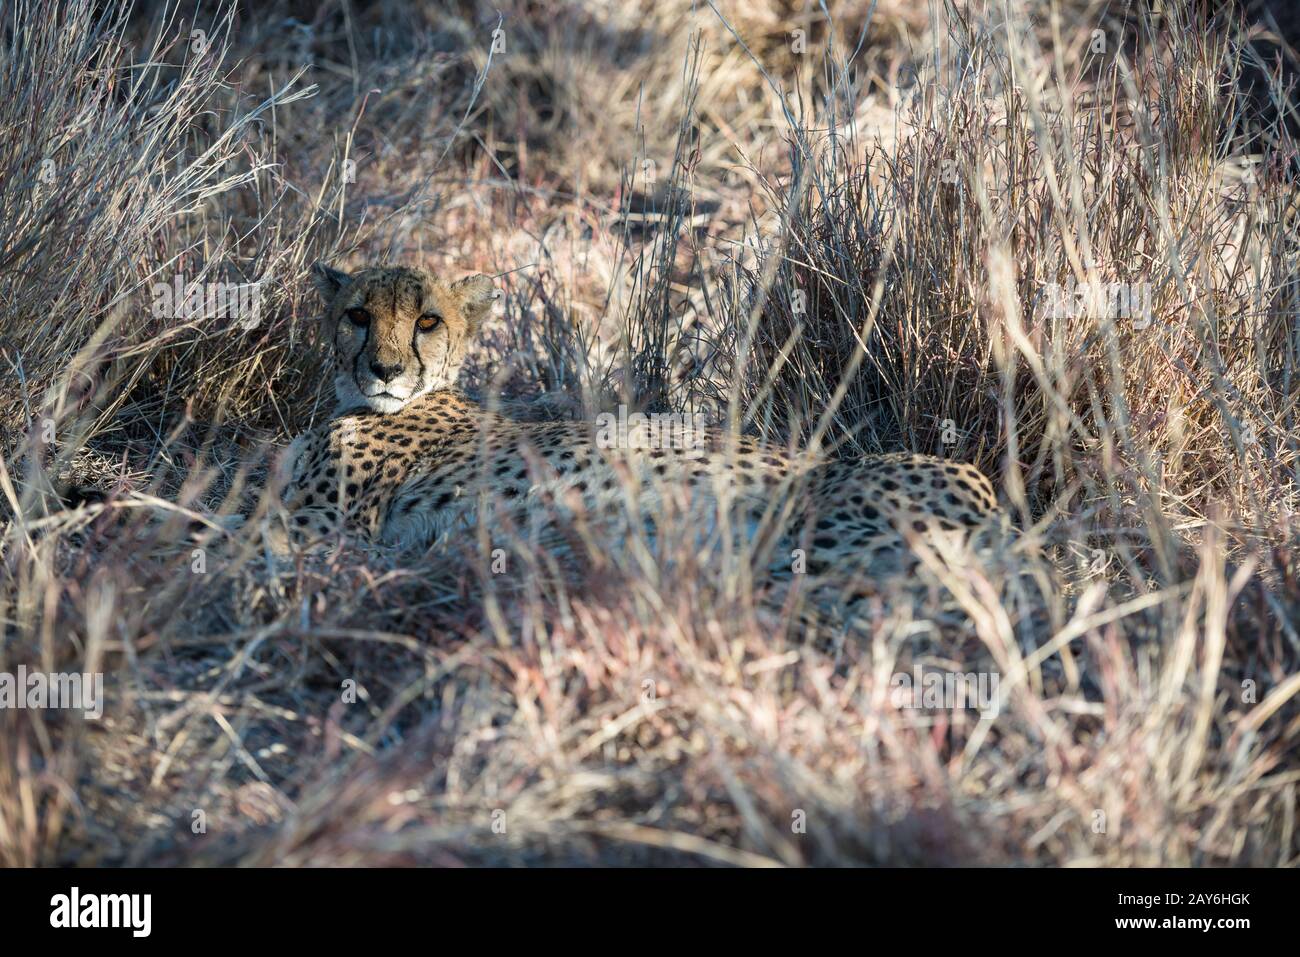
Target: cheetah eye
[
  {"x": 428, "y": 322},
  {"x": 358, "y": 317}
]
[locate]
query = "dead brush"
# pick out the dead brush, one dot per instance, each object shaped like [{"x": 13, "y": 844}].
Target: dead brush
[{"x": 647, "y": 694}]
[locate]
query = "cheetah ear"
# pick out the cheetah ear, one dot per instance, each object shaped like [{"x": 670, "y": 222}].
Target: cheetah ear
[
  {"x": 328, "y": 281},
  {"x": 477, "y": 295}
]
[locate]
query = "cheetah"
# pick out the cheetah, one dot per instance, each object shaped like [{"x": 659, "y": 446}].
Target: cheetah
[{"x": 407, "y": 458}]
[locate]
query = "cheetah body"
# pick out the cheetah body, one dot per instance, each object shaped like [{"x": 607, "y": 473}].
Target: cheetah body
[{"x": 405, "y": 471}]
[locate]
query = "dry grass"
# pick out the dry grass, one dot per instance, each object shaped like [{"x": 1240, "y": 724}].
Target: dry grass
[{"x": 846, "y": 246}]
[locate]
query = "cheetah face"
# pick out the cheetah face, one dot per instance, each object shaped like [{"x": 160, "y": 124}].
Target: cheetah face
[{"x": 398, "y": 333}]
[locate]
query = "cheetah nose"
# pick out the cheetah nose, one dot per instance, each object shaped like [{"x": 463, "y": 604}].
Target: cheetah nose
[{"x": 382, "y": 371}]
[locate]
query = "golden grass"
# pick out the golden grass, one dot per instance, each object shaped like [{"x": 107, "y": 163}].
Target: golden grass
[{"x": 848, "y": 245}]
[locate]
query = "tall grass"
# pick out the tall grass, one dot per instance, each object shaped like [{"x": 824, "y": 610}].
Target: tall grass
[{"x": 849, "y": 245}]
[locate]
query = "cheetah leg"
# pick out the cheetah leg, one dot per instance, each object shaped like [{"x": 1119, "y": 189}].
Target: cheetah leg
[{"x": 303, "y": 529}]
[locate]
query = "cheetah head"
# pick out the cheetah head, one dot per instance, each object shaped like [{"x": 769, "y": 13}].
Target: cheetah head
[{"x": 397, "y": 332}]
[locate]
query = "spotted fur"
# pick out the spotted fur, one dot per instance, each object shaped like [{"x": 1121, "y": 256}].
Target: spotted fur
[{"x": 407, "y": 458}]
